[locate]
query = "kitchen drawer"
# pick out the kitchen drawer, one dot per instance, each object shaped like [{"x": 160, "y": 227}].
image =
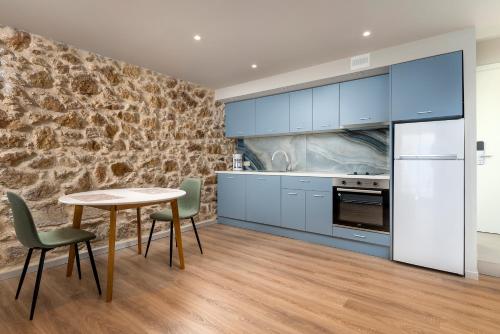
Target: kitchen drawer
[
  {"x": 307, "y": 183},
  {"x": 362, "y": 235}
]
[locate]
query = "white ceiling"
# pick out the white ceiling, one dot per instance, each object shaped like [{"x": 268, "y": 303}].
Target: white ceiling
[{"x": 278, "y": 35}]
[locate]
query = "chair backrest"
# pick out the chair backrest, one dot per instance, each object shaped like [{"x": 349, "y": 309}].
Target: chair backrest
[
  {"x": 191, "y": 202},
  {"x": 23, "y": 222}
]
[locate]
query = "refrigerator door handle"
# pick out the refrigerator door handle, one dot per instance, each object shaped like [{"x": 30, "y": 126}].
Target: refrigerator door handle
[{"x": 427, "y": 157}]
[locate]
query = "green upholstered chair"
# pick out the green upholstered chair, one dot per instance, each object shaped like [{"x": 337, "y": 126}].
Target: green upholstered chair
[
  {"x": 189, "y": 206},
  {"x": 28, "y": 235}
]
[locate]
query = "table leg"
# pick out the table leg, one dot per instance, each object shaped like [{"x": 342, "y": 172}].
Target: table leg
[
  {"x": 177, "y": 227},
  {"x": 77, "y": 219},
  {"x": 139, "y": 237},
  {"x": 111, "y": 253}
]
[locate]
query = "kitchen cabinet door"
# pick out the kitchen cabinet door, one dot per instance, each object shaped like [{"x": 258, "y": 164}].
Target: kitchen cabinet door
[
  {"x": 293, "y": 209},
  {"x": 263, "y": 203},
  {"x": 428, "y": 88},
  {"x": 231, "y": 196},
  {"x": 364, "y": 101},
  {"x": 319, "y": 212},
  {"x": 272, "y": 114},
  {"x": 240, "y": 118},
  {"x": 301, "y": 110},
  {"x": 326, "y": 107}
]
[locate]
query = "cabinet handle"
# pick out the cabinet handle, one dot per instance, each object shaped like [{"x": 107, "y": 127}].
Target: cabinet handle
[
  {"x": 324, "y": 125},
  {"x": 298, "y": 127},
  {"x": 230, "y": 177},
  {"x": 318, "y": 195},
  {"x": 261, "y": 178},
  {"x": 424, "y": 112},
  {"x": 292, "y": 193},
  {"x": 360, "y": 236},
  {"x": 305, "y": 181},
  {"x": 364, "y": 118}
]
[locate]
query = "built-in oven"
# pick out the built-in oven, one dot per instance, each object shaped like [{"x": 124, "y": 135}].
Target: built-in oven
[{"x": 361, "y": 203}]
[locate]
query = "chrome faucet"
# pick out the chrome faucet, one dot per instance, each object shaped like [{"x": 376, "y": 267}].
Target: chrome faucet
[{"x": 288, "y": 163}]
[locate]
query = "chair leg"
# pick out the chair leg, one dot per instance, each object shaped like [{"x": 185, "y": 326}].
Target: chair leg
[
  {"x": 150, "y": 236},
  {"x": 23, "y": 275},
  {"x": 77, "y": 257},
  {"x": 94, "y": 269},
  {"x": 171, "y": 238},
  {"x": 37, "y": 284},
  {"x": 196, "y": 233}
]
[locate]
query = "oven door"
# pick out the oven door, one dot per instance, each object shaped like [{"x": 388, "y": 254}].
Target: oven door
[{"x": 363, "y": 208}]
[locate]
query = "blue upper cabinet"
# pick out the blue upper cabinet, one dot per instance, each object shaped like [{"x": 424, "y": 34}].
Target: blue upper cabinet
[
  {"x": 301, "y": 103},
  {"x": 364, "y": 101},
  {"x": 326, "y": 107},
  {"x": 428, "y": 88},
  {"x": 240, "y": 118},
  {"x": 272, "y": 114}
]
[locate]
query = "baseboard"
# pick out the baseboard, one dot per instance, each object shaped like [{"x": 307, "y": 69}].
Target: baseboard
[
  {"x": 63, "y": 259},
  {"x": 488, "y": 268},
  {"x": 472, "y": 275}
]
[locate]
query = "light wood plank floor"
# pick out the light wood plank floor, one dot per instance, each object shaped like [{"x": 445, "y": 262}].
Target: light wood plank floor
[{"x": 249, "y": 282}]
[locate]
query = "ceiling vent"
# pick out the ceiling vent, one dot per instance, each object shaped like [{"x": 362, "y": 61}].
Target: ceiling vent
[{"x": 361, "y": 61}]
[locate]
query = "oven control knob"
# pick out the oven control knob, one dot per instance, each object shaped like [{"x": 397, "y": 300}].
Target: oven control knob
[
  {"x": 375, "y": 184},
  {"x": 343, "y": 182},
  {"x": 358, "y": 183}
]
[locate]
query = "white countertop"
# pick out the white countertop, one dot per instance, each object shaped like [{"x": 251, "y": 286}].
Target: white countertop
[{"x": 314, "y": 174}]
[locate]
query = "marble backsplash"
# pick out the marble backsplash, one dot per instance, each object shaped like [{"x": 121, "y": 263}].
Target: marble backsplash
[{"x": 347, "y": 151}]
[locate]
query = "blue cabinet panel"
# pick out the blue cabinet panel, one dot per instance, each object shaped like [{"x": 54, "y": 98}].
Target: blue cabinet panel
[
  {"x": 307, "y": 183},
  {"x": 301, "y": 110},
  {"x": 272, "y": 114},
  {"x": 326, "y": 107},
  {"x": 293, "y": 209},
  {"x": 428, "y": 88},
  {"x": 382, "y": 239},
  {"x": 364, "y": 101},
  {"x": 319, "y": 212},
  {"x": 240, "y": 118},
  {"x": 231, "y": 196},
  {"x": 263, "y": 203}
]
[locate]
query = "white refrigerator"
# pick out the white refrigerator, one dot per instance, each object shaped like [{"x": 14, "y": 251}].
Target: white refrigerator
[{"x": 428, "y": 220}]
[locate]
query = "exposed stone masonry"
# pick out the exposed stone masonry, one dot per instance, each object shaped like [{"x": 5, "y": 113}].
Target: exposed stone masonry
[{"x": 72, "y": 121}]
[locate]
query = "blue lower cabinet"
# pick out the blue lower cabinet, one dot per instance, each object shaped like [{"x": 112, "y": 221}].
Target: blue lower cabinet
[
  {"x": 231, "y": 195},
  {"x": 263, "y": 204},
  {"x": 293, "y": 209},
  {"x": 319, "y": 212}
]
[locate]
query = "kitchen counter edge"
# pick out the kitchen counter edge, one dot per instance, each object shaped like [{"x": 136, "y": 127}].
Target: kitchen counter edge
[{"x": 304, "y": 174}]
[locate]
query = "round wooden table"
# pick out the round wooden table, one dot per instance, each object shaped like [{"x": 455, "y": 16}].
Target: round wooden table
[{"x": 114, "y": 200}]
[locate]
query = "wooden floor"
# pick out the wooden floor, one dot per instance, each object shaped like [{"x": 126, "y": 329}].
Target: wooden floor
[{"x": 249, "y": 282}]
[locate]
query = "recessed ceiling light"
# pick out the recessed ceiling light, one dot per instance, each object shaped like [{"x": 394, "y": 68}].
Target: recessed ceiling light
[
  {"x": 367, "y": 33},
  {"x": 197, "y": 37},
  {"x": 254, "y": 65}
]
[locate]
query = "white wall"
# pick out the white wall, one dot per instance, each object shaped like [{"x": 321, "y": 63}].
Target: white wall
[
  {"x": 459, "y": 40},
  {"x": 488, "y": 52}
]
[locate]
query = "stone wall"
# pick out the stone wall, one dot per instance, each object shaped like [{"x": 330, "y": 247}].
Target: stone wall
[{"x": 72, "y": 120}]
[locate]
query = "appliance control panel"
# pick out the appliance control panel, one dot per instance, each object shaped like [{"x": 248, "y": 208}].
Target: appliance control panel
[{"x": 361, "y": 183}]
